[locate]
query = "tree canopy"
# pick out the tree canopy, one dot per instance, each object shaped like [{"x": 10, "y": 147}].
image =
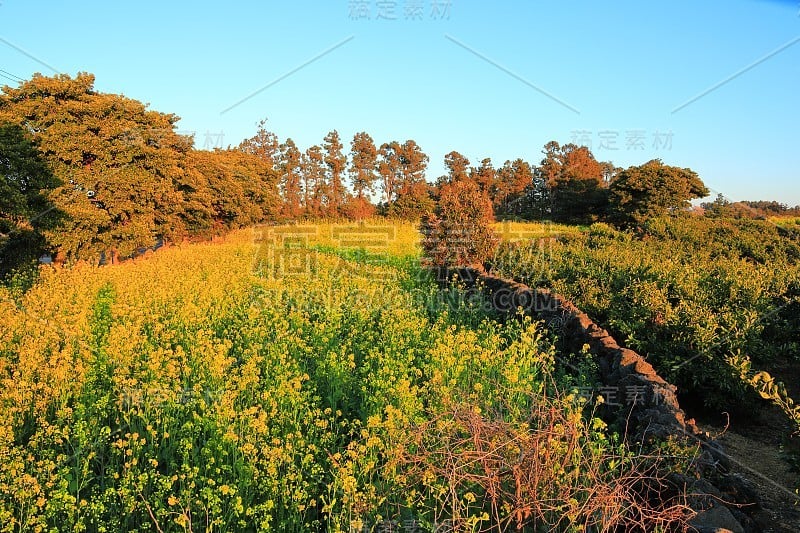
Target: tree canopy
[{"x": 650, "y": 190}]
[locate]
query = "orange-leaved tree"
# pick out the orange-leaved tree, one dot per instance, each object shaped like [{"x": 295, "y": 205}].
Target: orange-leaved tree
[{"x": 459, "y": 232}]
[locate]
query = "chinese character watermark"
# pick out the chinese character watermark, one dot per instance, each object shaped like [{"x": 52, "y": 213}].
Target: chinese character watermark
[
  {"x": 633, "y": 140},
  {"x": 392, "y": 10},
  {"x": 213, "y": 140},
  {"x": 409, "y": 525},
  {"x": 614, "y": 396},
  {"x": 283, "y": 251}
]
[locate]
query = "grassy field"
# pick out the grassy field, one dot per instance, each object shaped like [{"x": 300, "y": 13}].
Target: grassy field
[{"x": 283, "y": 381}]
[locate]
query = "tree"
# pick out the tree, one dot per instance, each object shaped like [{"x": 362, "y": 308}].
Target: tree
[
  {"x": 721, "y": 207},
  {"x": 290, "y": 166},
  {"x": 336, "y": 162},
  {"x": 767, "y": 208},
  {"x": 459, "y": 232},
  {"x": 314, "y": 182},
  {"x": 413, "y": 163},
  {"x": 413, "y": 198},
  {"x": 609, "y": 171},
  {"x": 363, "y": 164},
  {"x": 575, "y": 183},
  {"x": 122, "y": 166},
  {"x": 241, "y": 188},
  {"x": 457, "y": 167},
  {"x": 485, "y": 176},
  {"x": 642, "y": 192},
  {"x": 24, "y": 177},
  {"x": 514, "y": 188},
  {"x": 389, "y": 170},
  {"x": 25, "y": 182},
  {"x": 263, "y": 144},
  {"x": 363, "y": 174}
]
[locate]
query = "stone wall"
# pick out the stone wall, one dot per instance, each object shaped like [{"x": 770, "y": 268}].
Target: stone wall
[{"x": 713, "y": 492}]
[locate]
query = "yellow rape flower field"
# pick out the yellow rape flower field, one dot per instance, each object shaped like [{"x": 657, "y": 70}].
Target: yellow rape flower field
[{"x": 297, "y": 378}]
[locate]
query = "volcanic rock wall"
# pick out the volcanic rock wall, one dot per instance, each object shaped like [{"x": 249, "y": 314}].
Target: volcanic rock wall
[{"x": 655, "y": 413}]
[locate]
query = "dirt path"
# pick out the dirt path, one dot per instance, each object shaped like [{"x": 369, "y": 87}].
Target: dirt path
[{"x": 754, "y": 448}]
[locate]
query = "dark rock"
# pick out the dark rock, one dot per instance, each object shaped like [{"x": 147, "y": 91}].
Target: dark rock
[
  {"x": 736, "y": 488},
  {"x": 718, "y": 518}
]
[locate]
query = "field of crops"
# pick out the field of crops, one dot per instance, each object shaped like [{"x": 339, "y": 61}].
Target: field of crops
[
  {"x": 713, "y": 304},
  {"x": 283, "y": 381}
]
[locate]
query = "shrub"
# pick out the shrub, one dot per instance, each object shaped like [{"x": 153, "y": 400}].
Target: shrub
[{"x": 459, "y": 233}]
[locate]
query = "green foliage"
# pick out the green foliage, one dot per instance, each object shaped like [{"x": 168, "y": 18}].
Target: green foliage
[
  {"x": 686, "y": 293},
  {"x": 654, "y": 189},
  {"x": 185, "y": 393},
  {"x": 102, "y": 174},
  {"x": 121, "y": 164},
  {"x": 25, "y": 181}
]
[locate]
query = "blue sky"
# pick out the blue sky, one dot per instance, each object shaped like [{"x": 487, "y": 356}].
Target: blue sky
[{"x": 489, "y": 79}]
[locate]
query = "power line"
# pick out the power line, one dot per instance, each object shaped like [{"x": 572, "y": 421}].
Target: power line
[
  {"x": 9, "y": 78},
  {"x": 12, "y": 75}
]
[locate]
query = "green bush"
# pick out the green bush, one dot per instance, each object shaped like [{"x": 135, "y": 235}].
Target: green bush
[{"x": 687, "y": 293}]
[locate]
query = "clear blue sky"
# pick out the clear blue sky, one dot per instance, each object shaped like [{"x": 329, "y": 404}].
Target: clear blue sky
[{"x": 489, "y": 79}]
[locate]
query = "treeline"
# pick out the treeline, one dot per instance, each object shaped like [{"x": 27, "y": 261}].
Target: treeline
[
  {"x": 86, "y": 174},
  {"x": 721, "y": 207}
]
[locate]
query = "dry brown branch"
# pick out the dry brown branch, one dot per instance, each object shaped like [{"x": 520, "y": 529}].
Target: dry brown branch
[{"x": 546, "y": 476}]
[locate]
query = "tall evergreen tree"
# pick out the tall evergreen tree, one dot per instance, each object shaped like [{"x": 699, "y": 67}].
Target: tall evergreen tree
[
  {"x": 336, "y": 162},
  {"x": 290, "y": 166},
  {"x": 575, "y": 183},
  {"x": 514, "y": 188},
  {"x": 263, "y": 144},
  {"x": 315, "y": 185},
  {"x": 363, "y": 164}
]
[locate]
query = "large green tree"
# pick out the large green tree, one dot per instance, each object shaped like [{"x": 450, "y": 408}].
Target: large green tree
[
  {"x": 123, "y": 167},
  {"x": 642, "y": 192},
  {"x": 25, "y": 181}
]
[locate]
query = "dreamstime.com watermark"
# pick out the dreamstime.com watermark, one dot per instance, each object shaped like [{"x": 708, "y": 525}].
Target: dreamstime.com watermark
[
  {"x": 387, "y": 296},
  {"x": 393, "y": 10}
]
